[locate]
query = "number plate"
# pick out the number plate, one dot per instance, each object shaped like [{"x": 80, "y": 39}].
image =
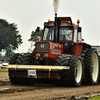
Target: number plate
[{"x": 32, "y": 73}]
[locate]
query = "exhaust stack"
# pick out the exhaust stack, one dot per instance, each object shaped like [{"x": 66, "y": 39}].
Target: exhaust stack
[{"x": 56, "y": 29}]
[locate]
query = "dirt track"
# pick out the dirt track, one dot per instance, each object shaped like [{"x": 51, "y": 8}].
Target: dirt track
[
  {"x": 3, "y": 71},
  {"x": 42, "y": 91}
]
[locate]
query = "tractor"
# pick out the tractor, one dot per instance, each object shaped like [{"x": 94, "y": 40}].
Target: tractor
[{"x": 60, "y": 55}]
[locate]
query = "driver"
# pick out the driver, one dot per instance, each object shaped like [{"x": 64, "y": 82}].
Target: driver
[{"x": 62, "y": 37}]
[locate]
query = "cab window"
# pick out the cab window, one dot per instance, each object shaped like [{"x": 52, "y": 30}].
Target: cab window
[
  {"x": 65, "y": 34},
  {"x": 48, "y": 34}
]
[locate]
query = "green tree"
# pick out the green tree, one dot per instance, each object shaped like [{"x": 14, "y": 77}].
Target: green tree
[
  {"x": 35, "y": 36},
  {"x": 9, "y": 52},
  {"x": 9, "y": 37}
]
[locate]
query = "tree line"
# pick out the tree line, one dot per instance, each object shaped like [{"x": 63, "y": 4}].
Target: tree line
[{"x": 10, "y": 38}]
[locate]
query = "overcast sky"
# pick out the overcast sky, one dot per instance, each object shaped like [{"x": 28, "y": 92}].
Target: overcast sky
[{"x": 28, "y": 14}]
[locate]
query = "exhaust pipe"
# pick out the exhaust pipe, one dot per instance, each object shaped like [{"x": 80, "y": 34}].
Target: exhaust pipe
[{"x": 56, "y": 29}]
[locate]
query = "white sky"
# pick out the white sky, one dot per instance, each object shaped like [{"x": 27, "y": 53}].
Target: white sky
[{"x": 28, "y": 14}]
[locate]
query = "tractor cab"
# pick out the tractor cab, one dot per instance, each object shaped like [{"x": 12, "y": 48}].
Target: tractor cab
[{"x": 59, "y": 37}]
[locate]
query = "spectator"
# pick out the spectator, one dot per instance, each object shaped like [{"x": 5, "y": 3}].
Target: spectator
[
  {"x": 6, "y": 60},
  {"x": 2, "y": 60}
]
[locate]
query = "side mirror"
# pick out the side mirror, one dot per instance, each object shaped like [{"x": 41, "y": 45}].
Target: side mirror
[
  {"x": 79, "y": 29},
  {"x": 38, "y": 29}
]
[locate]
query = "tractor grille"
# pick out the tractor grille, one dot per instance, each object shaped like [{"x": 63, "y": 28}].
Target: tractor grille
[{"x": 42, "y": 47}]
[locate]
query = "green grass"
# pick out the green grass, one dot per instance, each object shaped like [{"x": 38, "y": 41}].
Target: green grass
[
  {"x": 3, "y": 73},
  {"x": 3, "y": 69},
  {"x": 95, "y": 98}
]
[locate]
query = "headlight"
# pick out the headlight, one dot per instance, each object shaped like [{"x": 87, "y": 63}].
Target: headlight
[
  {"x": 37, "y": 54},
  {"x": 46, "y": 54}
]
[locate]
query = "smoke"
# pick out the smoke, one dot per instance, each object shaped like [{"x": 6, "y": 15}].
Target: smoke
[{"x": 56, "y": 5}]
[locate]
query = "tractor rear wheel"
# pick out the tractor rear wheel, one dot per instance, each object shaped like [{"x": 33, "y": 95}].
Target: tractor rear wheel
[
  {"x": 91, "y": 66},
  {"x": 13, "y": 59},
  {"x": 83, "y": 54},
  {"x": 73, "y": 76},
  {"x": 22, "y": 59},
  {"x": 19, "y": 59},
  {"x": 26, "y": 60},
  {"x": 99, "y": 71}
]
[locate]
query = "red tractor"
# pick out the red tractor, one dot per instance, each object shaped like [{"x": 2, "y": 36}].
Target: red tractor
[{"x": 60, "y": 55}]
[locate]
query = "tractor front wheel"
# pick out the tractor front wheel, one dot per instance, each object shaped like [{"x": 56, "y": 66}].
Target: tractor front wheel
[{"x": 73, "y": 76}]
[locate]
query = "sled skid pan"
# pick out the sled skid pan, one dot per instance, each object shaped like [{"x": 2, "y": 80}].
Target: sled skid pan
[
  {"x": 41, "y": 72},
  {"x": 38, "y": 67}
]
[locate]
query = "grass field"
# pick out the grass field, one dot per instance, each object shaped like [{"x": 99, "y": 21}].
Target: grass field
[
  {"x": 3, "y": 69},
  {"x": 3, "y": 73},
  {"x": 95, "y": 98}
]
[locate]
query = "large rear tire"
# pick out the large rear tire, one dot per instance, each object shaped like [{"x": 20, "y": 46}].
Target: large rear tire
[
  {"x": 91, "y": 66},
  {"x": 83, "y": 54},
  {"x": 73, "y": 76},
  {"x": 99, "y": 71},
  {"x": 26, "y": 60},
  {"x": 19, "y": 59},
  {"x": 22, "y": 59},
  {"x": 13, "y": 58}
]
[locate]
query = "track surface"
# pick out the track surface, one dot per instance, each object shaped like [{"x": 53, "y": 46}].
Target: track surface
[
  {"x": 43, "y": 91},
  {"x": 3, "y": 71}
]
